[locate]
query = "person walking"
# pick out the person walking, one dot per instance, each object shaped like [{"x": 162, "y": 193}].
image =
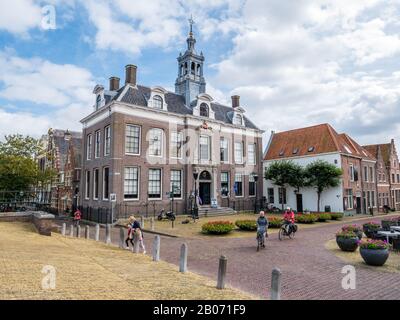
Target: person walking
[
  {"x": 138, "y": 237},
  {"x": 77, "y": 217},
  {"x": 130, "y": 235}
]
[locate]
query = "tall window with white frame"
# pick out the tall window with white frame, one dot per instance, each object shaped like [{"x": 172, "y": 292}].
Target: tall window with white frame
[
  {"x": 238, "y": 185},
  {"x": 131, "y": 183},
  {"x": 352, "y": 175},
  {"x": 89, "y": 147},
  {"x": 205, "y": 148},
  {"x": 155, "y": 142},
  {"x": 96, "y": 184},
  {"x": 132, "y": 139},
  {"x": 238, "y": 120},
  {"x": 372, "y": 174},
  {"x": 225, "y": 184},
  {"x": 224, "y": 150},
  {"x": 97, "y": 144},
  {"x": 176, "y": 144},
  {"x": 106, "y": 183},
  {"x": 107, "y": 141},
  {"x": 155, "y": 184},
  {"x": 251, "y": 154},
  {"x": 176, "y": 183},
  {"x": 350, "y": 201},
  {"x": 238, "y": 152},
  {"x": 87, "y": 185},
  {"x": 252, "y": 186}
]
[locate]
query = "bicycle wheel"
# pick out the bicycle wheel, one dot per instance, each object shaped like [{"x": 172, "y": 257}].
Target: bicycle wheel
[{"x": 281, "y": 233}]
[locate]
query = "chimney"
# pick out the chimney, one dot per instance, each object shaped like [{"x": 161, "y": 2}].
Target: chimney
[
  {"x": 130, "y": 74},
  {"x": 114, "y": 83},
  {"x": 235, "y": 101}
]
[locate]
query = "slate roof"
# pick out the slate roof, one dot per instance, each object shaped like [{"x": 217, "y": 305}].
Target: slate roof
[
  {"x": 176, "y": 104},
  {"x": 313, "y": 140}
]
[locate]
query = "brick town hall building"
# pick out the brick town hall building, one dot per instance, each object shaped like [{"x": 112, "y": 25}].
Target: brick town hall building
[{"x": 141, "y": 143}]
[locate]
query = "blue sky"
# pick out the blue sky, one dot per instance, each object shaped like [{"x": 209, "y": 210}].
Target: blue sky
[{"x": 294, "y": 63}]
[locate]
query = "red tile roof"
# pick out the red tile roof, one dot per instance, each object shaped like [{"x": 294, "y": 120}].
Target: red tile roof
[
  {"x": 313, "y": 140},
  {"x": 385, "y": 150}
]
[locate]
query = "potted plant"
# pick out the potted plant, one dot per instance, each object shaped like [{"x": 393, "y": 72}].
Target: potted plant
[
  {"x": 386, "y": 224},
  {"x": 347, "y": 241},
  {"x": 370, "y": 228},
  {"x": 374, "y": 252},
  {"x": 353, "y": 228}
]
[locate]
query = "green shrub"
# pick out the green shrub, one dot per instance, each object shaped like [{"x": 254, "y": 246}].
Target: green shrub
[
  {"x": 247, "y": 225},
  {"x": 346, "y": 234},
  {"x": 217, "y": 227},
  {"x": 323, "y": 217},
  {"x": 275, "y": 222},
  {"x": 306, "y": 218},
  {"x": 336, "y": 216}
]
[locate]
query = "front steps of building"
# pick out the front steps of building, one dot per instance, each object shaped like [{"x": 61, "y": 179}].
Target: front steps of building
[{"x": 207, "y": 211}]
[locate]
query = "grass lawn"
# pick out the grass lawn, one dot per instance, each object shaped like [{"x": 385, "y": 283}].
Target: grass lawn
[
  {"x": 87, "y": 270},
  {"x": 355, "y": 259}
]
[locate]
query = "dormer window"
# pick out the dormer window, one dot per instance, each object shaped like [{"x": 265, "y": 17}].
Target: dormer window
[
  {"x": 295, "y": 151},
  {"x": 157, "y": 102},
  {"x": 98, "y": 102},
  {"x": 311, "y": 149},
  {"x": 238, "y": 120},
  {"x": 347, "y": 149},
  {"x": 204, "y": 111},
  {"x": 281, "y": 153}
]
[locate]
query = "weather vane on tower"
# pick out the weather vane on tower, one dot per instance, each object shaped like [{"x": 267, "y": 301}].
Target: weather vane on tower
[{"x": 191, "y": 21}]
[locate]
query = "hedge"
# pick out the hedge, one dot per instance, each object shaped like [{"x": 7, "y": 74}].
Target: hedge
[
  {"x": 246, "y": 225},
  {"x": 336, "y": 216},
  {"x": 306, "y": 218},
  {"x": 323, "y": 217},
  {"x": 275, "y": 222},
  {"x": 217, "y": 227}
]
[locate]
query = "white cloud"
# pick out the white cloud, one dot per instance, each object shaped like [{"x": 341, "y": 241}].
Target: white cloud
[
  {"x": 19, "y": 16},
  {"x": 57, "y": 95}
]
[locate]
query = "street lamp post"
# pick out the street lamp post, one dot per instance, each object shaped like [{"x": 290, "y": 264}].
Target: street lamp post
[
  {"x": 196, "y": 208},
  {"x": 255, "y": 176}
]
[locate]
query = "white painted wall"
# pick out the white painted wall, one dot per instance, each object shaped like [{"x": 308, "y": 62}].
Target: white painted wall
[{"x": 332, "y": 197}]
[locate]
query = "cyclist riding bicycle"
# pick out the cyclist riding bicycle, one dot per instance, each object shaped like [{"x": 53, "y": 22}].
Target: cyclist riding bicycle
[
  {"x": 288, "y": 220},
  {"x": 262, "y": 225}
]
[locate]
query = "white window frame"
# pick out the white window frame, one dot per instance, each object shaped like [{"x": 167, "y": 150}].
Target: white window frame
[
  {"x": 126, "y": 138},
  {"x": 175, "y": 143},
  {"x": 95, "y": 185},
  {"x": 350, "y": 204},
  {"x": 255, "y": 186},
  {"x": 107, "y": 141},
  {"x": 103, "y": 184},
  {"x": 366, "y": 173},
  {"x": 97, "y": 144},
  {"x": 352, "y": 174},
  {"x": 161, "y": 184},
  {"x": 138, "y": 184},
  {"x": 89, "y": 140},
  {"x": 208, "y": 147},
  {"x": 236, "y": 152},
  {"x": 229, "y": 184},
  {"x": 226, "y": 142},
  {"x": 241, "y": 175},
  {"x": 254, "y": 162},
  {"x": 372, "y": 174},
  {"x": 161, "y": 142},
  {"x": 181, "y": 183},
  {"x": 159, "y": 99},
  {"x": 87, "y": 185}
]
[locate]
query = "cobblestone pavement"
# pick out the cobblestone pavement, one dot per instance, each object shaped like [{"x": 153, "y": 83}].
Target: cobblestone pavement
[
  {"x": 309, "y": 270},
  {"x": 86, "y": 269}
]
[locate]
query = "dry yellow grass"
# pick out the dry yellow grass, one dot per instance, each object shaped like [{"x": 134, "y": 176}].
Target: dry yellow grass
[
  {"x": 89, "y": 270},
  {"x": 355, "y": 259}
]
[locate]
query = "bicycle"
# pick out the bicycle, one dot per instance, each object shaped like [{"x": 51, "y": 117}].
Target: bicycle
[
  {"x": 284, "y": 233},
  {"x": 260, "y": 238}
]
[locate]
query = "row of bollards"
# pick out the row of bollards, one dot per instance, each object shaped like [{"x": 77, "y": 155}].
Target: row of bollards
[{"x": 275, "y": 293}]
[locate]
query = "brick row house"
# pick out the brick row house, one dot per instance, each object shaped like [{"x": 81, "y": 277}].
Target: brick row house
[
  {"x": 144, "y": 143},
  {"x": 357, "y": 192},
  {"x": 388, "y": 174},
  {"x": 64, "y": 155}
]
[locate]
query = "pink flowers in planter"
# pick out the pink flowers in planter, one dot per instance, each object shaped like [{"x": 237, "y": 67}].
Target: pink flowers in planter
[{"x": 374, "y": 244}]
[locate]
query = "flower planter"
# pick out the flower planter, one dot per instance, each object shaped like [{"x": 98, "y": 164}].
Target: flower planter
[
  {"x": 369, "y": 232},
  {"x": 386, "y": 224},
  {"x": 347, "y": 244},
  {"x": 374, "y": 257}
]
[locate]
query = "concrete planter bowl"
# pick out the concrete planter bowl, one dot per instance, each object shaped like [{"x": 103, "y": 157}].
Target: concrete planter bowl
[
  {"x": 347, "y": 244},
  {"x": 374, "y": 257}
]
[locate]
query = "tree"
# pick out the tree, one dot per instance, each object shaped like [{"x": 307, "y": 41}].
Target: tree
[
  {"x": 322, "y": 175},
  {"x": 19, "y": 170},
  {"x": 285, "y": 173}
]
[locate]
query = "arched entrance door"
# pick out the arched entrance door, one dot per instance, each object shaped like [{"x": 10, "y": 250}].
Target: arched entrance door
[{"x": 205, "y": 188}]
